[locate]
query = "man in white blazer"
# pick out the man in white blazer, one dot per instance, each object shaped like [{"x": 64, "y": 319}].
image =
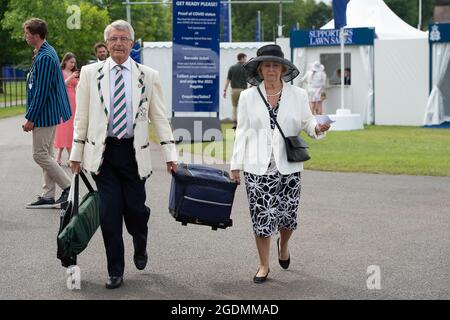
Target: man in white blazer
[{"x": 116, "y": 98}]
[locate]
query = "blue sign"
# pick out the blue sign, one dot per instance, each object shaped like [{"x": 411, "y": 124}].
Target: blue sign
[
  {"x": 331, "y": 37},
  {"x": 196, "y": 56},
  {"x": 136, "y": 52},
  {"x": 224, "y": 21},
  {"x": 439, "y": 32}
]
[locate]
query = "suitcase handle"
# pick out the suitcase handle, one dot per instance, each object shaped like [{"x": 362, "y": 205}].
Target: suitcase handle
[{"x": 184, "y": 166}]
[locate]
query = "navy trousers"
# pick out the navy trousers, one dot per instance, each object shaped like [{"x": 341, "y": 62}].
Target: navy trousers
[{"x": 122, "y": 198}]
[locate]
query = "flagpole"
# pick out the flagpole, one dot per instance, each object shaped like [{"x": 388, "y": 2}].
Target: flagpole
[{"x": 342, "y": 39}]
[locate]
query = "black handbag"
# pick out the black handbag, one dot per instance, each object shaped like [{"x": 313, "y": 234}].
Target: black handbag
[
  {"x": 296, "y": 147},
  {"x": 78, "y": 222}
]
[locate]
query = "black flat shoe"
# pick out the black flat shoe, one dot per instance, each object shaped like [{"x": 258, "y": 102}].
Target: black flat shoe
[
  {"x": 114, "y": 282},
  {"x": 283, "y": 263},
  {"x": 260, "y": 279},
  {"x": 140, "y": 261}
]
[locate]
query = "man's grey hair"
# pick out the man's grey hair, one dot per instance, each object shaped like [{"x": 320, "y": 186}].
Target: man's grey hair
[{"x": 119, "y": 25}]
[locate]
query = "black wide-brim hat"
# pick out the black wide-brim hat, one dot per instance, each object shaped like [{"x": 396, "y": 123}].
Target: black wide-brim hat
[{"x": 270, "y": 52}]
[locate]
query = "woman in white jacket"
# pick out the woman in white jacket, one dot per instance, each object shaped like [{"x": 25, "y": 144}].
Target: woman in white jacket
[{"x": 273, "y": 184}]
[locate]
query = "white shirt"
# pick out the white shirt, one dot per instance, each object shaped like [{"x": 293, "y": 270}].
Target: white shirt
[{"x": 126, "y": 72}]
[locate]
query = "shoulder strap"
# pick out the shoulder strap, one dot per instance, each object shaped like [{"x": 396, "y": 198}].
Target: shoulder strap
[
  {"x": 268, "y": 106},
  {"x": 75, "y": 197},
  {"x": 86, "y": 182}
]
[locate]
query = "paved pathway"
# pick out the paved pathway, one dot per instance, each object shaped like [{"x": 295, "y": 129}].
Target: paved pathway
[{"x": 348, "y": 222}]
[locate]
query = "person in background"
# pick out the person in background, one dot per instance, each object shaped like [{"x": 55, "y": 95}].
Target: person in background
[
  {"x": 335, "y": 79},
  {"x": 347, "y": 76},
  {"x": 236, "y": 77},
  {"x": 316, "y": 80},
  {"x": 101, "y": 51},
  {"x": 272, "y": 183},
  {"x": 47, "y": 105},
  {"x": 64, "y": 131},
  {"x": 116, "y": 100}
]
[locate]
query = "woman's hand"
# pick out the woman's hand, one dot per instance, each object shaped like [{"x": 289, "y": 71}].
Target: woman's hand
[
  {"x": 171, "y": 166},
  {"x": 235, "y": 176},
  {"x": 320, "y": 128}
]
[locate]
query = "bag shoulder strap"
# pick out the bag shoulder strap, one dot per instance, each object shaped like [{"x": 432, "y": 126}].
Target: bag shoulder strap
[
  {"x": 268, "y": 106},
  {"x": 75, "y": 196},
  {"x": 86, "y": 182}
]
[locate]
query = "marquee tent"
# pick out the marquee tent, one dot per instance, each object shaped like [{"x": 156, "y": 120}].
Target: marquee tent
[
  {"x": 438, "y": 106},
  {"x": 389, "y": 83}
]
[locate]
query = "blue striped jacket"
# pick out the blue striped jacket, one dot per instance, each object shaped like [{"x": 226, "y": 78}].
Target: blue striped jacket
[{"x": 47, "y": 99}]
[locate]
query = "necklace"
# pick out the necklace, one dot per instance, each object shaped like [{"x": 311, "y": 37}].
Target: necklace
[{"x": 275, "y": 94}]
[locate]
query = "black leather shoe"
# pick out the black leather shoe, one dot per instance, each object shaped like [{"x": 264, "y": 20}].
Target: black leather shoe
[
  {"x": 283, "y": 263},
  {"x": 140, "y": 261},
  {"x": 114, "y": 282},
  {"x": 260, "y": 279}
]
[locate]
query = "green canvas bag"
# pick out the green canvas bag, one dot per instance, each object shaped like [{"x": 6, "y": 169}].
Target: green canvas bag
[{"x": 78, "y": 222}]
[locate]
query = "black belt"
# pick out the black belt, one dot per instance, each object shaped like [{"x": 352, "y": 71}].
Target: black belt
[{"x": 122, "y": 141}]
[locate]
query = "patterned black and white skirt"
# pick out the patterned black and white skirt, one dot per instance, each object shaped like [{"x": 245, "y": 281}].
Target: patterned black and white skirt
[{"x": 274, "y": 201}]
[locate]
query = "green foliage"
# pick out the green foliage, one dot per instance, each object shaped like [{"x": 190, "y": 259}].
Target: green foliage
[
  {"x": 9, "y": 46},
  {"x": 306, "y": 13},
  {"x": 62, "y": 36},
  {"x": 150, "y": 22},
  {"x": 408, "y": 11},
  {"x": 154, "y": 22}
]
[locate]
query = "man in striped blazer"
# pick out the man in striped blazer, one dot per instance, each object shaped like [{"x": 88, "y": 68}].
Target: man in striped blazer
[
  {"x": 116, "y": 99},
  {"x": 47, "y": 104}
]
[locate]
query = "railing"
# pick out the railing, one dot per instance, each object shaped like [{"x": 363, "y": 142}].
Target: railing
[{"x": 13, "y": 92}]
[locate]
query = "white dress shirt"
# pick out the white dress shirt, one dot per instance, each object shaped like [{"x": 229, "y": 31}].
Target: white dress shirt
[{"x": 126, "y": 72}]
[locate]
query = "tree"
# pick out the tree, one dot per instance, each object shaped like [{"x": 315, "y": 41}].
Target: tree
[
  {"x": 306, "y": 13},
  {"x": 408, "y": 11},
  {"x": 69, "y": 31},
  {"x": 150, "y": 22}
]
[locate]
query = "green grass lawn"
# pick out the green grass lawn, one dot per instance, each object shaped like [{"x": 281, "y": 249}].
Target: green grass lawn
[
  {"x": 376, "y": 149},
  {"x": 6, "y": 112},
  {"x": 383, "y": 149},
  {"x": 13, "y": 91}
]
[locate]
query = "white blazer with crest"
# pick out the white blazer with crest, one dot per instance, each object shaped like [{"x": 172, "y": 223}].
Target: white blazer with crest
[
  {"x": 92, "y": 113},
  {"x": 255, "y": 139}
]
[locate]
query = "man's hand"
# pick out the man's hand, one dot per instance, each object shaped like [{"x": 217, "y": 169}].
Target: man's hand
[
  {"x": 28, "y": 126},
  {"x": 236, "y": 176},
  {"x": 75, "y": 166},
  {"x": 224, "y": 93},
  {"x": 171, "y": 166}
]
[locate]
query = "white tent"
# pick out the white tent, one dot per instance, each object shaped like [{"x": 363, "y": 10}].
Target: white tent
[
  {"x": 389, "y": 79},
  {"x": 158, "y": 55},
  {"x": 438, "y": 106}
]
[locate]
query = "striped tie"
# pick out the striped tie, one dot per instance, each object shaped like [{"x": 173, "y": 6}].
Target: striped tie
[{"x": 120, "y": 106}]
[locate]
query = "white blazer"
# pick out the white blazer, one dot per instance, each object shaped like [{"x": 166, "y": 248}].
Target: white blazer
[
  {"x": 92, "y": 113},
  {"x": 255, "y": 139}
]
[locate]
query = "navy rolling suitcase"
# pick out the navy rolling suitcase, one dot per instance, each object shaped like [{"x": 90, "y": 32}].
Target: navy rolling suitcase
[{"x": 201, "y": 195}]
